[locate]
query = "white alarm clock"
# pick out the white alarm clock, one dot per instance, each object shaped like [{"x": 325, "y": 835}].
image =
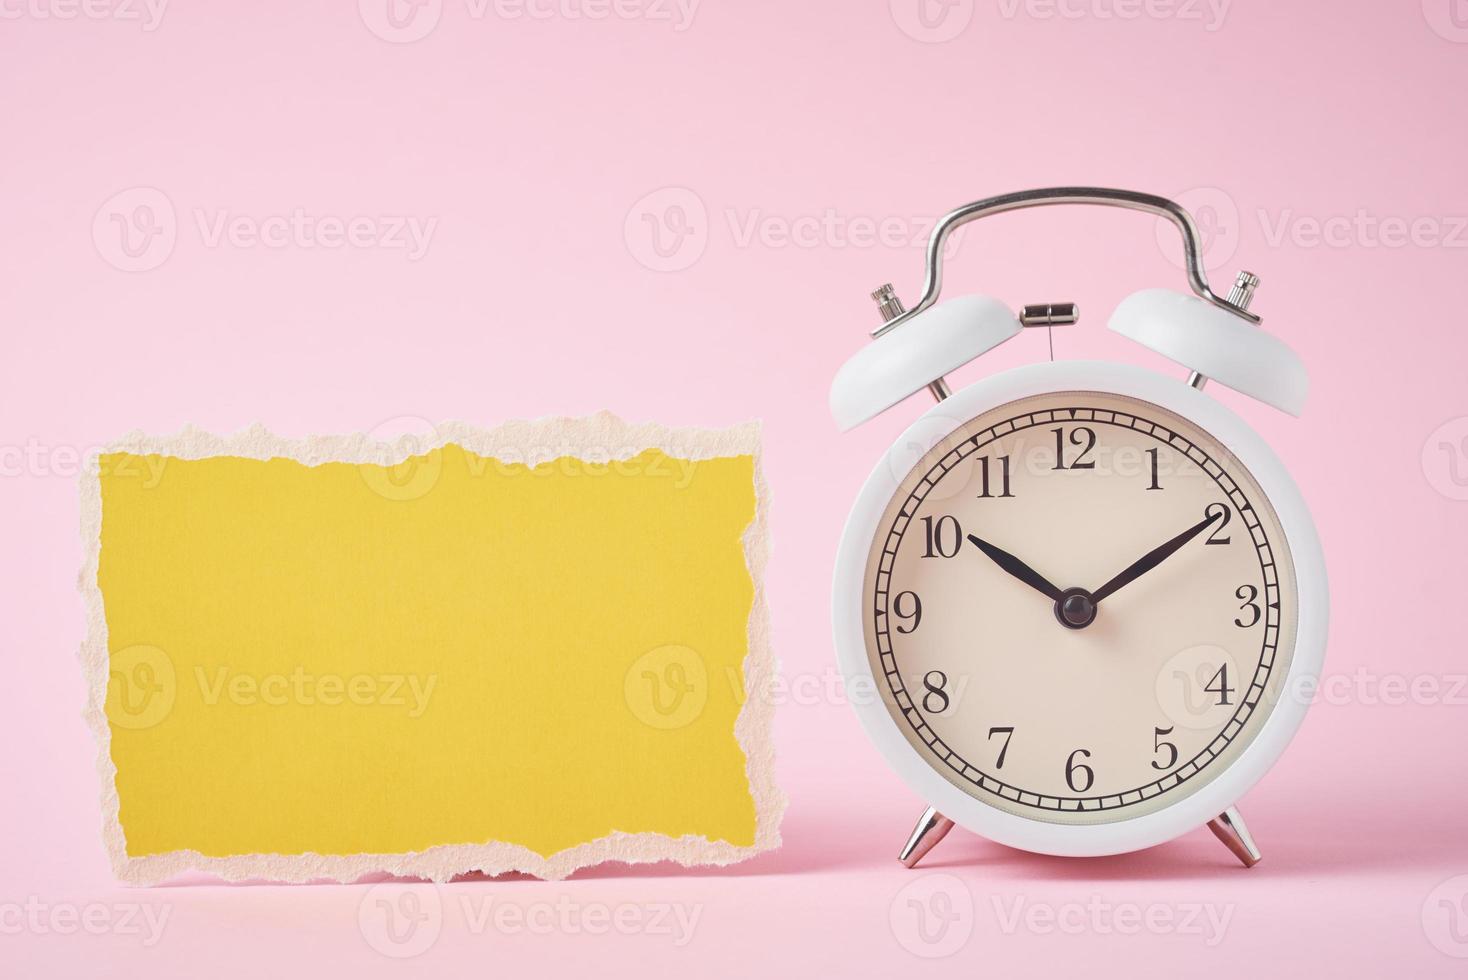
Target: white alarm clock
[{"x": 1090, "y": 597}]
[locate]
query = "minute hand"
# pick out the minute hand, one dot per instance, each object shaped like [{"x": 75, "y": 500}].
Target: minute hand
[{"x": 1152, "y": 559}]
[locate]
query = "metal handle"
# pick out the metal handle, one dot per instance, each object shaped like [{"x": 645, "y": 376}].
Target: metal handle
[{"x": 1045, "y": 196}]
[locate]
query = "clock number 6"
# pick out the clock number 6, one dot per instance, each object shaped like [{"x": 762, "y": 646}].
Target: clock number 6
[{"x": 1072, "y": 767}]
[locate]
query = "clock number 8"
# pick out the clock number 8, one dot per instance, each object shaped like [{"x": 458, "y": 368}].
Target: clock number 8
[{"x": 935, "y": 694}]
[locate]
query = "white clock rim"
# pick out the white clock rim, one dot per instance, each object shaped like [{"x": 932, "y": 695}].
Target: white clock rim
[{"x": 1224, "y": 790}]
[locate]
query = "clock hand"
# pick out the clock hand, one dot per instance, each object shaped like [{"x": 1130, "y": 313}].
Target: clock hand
[
  {"x": 1153, "y": 558},
  {"x": 1017, "y": 568}
]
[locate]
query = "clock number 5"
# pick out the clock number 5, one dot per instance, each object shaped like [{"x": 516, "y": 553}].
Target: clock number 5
[
  {"x": 1158, "y": 745},
  {"x": 1072, "y": 768}
]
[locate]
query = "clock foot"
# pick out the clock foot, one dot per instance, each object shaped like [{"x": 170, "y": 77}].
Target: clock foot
[
  {"x": 931, "y": 827},
  {"x": 1230, "y": 828}
]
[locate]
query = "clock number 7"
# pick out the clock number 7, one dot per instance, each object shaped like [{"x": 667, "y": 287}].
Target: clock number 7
[{"x": 1004, "y": 749}]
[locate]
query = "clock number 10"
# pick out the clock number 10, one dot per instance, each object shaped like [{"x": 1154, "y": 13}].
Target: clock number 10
[{"x": 942, "y": 537}]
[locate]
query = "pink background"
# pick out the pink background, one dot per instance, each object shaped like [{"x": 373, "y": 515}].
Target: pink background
[{"x": 535, "y": 143}]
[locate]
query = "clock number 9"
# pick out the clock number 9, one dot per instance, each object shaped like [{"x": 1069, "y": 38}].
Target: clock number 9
[
  {"x": 1072, "y": 767},
  {"x": 912, "y": 614},
  {"x": 942, "y": 538}
]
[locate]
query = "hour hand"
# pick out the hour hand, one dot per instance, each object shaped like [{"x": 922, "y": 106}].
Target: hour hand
[{"x": 1017, "y": 568}]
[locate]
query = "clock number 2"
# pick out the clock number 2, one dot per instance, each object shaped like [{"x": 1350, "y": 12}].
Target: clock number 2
[{"x": 1212, "y": 511}]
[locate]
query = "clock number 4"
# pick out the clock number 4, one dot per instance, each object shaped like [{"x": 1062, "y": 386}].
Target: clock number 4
[
  {"x": 1218, "y": 684},
  {"x": 1080, "y": 437}
]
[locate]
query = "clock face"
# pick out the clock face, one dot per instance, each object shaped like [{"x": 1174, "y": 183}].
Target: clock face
[{"x": 1080, "y": 607}]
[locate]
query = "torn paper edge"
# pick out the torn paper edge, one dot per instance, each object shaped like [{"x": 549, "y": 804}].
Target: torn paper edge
[{"x": 599, "y": 438}]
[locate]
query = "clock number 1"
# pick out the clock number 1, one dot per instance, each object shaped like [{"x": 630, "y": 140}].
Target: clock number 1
[{"x": 1155, "y": 484}]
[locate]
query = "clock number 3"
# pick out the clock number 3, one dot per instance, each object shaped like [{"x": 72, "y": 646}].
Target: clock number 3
[{"x": 1248, "y": 593}]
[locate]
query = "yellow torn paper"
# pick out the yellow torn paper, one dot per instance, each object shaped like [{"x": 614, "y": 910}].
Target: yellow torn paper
[{"x": 533, "y": 648}]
